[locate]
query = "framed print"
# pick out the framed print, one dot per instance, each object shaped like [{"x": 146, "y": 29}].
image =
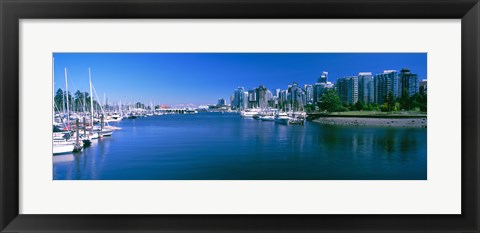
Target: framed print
[{"x": 239, "y": 116}]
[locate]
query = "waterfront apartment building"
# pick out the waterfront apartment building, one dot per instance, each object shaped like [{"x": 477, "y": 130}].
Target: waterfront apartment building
[
  {"x": 365, "y": 87},
  {"x": 384, "y": 83},
  {"x": 409, "y": 83},
  {"x": 347, "y": 88}
]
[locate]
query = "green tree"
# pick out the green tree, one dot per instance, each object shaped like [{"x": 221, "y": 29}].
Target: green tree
[
  {"x": 422, "y": 99},
  {"x": 58, "y": 99},
  {"x": 330, "y": 101},
  {"x": 405, "y": 100},
  {"x": 370, "y": 107},
  {"x": 390, "y": 101},
  {"x": 309, "y": 108},
  {"x": 359, "y": 105},
  {"x": 78, "y": 96}
]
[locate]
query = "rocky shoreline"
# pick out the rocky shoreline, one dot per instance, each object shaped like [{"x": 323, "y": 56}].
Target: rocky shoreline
[{"x": 384, "y": 122}]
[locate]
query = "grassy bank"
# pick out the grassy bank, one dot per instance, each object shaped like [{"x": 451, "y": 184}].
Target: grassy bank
[{"x": 368, "y": 114}]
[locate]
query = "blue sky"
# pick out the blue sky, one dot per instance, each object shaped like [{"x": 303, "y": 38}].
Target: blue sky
[{"x": 202, "y": 78}]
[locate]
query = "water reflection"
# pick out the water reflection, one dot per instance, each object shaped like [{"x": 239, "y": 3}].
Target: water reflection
[{"x": 216, "y": 146}]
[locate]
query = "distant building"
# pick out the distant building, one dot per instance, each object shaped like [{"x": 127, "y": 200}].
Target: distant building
[
  {"x": 221, "y": 102},
  {"x": 283, "y": 100},
  {"x": 297, "y": 97},
  {"x": 308, "y": 93},
  {"x": 238, "y": 102},
  {"x": 262, "y": 98},
  {"x": 423, "y": 84},
  {"x": 329, "y": 85},
  {"x": 409, "y": 83},
  {"x": 318, "y": 91},
  {"x": 365, "y": 87},
  {"x": 252, "y": 99},
  {"x": 323, "y": 77},
  {"x": 245, "y": 99},
  {"x": 276, "y": 92},
  {"x": 347, "y": 88},
  {"x": 388, "y": 81}
]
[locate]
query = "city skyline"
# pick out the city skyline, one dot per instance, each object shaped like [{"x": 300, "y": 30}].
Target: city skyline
[{"x": 203, "y": 78}]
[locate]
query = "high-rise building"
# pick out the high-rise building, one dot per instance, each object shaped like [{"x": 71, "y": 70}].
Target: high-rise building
[
  {"x": 318, "y": 91},
  {"x": 252, "y": 99},
  {"x": 388, "y": 81},
  {"x": 283, "y": 100},
  {"x": 365, "y": 87},
  {"x": 262, "y": 98},
  {"x": 347, "y": 88},
  {"x": 323, "y": 77},
  {"x": 297, "y": 95},
  {"x": 409, "y": 83},
  {"x": 309, "y": 93},
  {"x": 238, "y": 102},
  {"x": 270, "y": 98},
  {"x": 276, "y": 92},
  {"x": 245, "y": 100}
]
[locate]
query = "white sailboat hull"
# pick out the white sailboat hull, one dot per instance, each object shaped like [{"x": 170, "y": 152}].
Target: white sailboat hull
[
  {"x": 267, "y": 118},
  {"x": 63, "y": 148}
]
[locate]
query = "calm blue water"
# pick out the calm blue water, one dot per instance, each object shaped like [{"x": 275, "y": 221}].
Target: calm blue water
[{"x": 215, "y": 146}]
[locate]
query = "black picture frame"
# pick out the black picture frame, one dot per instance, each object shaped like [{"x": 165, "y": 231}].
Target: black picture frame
[{"x": 11, "y": 11}]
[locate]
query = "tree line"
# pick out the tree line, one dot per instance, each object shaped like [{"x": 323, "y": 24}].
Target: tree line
[
  {"x": 330, "y": 102},
  {"x": 78, "y": 102}
]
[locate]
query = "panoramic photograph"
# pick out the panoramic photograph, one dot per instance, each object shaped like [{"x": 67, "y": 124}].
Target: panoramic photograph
[{"x": 239, "y": 116}]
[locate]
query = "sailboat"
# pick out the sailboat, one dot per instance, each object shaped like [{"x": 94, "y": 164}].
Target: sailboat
[
  {"x": 62, "y": 142},
  {"x": 100, "y": 130}
]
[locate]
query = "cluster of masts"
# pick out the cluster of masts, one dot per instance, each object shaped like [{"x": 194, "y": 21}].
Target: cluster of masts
[
  {"x": 71, "y": 135},
  {"x": 74, "y": 129}
]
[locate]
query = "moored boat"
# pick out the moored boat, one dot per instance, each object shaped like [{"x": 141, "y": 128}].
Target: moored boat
[
  {"x": 249, "y": 113},
  {"x": 282, "y": 118},
  {"x": 297, "y": 120},
  {"x": 63, "y": 148},
  {"x": 267, "y": 118}
]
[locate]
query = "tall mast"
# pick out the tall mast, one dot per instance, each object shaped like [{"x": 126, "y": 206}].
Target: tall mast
[
  {"x": 91, "y": 97},
  {"x": 104, "y": 102},
  {"x": 68, "y": 108}
]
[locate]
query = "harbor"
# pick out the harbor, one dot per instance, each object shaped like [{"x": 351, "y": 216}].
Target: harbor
[
  {"x": 148, "y": 117},
  {"x": 225, "y": 146}
]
